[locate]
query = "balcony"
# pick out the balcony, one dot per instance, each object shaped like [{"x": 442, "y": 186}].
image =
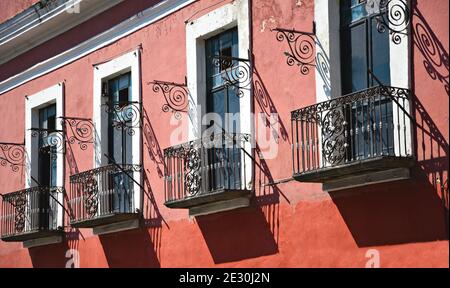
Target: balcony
[
  {"x": 209, "y": 175},
  {"x": 358, "y": 134},
  {"x": 31, "y": 214},
  {"x": 103, "y": 196}
]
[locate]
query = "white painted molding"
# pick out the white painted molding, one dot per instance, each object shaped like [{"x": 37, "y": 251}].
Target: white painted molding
[
  {"x": 119, "y": 31},
  {"x": 129, "y": 62},
  {"x": 52, "y": 95},
  {"x": 35, "y": 26}
]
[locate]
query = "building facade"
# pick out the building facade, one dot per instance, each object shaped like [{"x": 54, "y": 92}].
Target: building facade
[{"x": 206, "y": 133}]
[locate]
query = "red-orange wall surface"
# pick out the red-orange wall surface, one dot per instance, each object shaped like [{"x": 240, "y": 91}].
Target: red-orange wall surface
[{"x": 289, "y": 225}]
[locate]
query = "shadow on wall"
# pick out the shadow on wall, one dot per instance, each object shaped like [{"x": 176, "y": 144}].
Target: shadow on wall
[
  {"x": 435, "y": 56},
  {"x": 140, "y": 247},
  {"x": 249, "y": 232},
  {"x": 152, "y": 145},
  {"x": 237, "y": 235},
  {"x": 50, "y": 256},
  {"x": 130, "y": 249},
  {"x": 267, "y": 108},
  {"x": 400, "y": 212}
]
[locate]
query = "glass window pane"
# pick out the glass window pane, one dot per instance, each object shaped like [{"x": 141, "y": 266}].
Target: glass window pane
[
  {"x": 380, "y": 54},
  {"x": 354, "y": 58}
]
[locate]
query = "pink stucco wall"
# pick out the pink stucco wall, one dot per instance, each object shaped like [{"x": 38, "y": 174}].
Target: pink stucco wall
[{"x": 292, "y": 225}]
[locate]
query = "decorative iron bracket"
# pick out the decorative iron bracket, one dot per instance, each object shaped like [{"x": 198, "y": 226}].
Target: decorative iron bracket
[
  {"x": 302, "y": 46},
  {"x": 395, "y": 16},
  {"x": 12, "y": 154},
  {"x": 127, "y": 115},
  {"x": 50, "y": 138},
  {"x": 82, "y": 131},
  {"x": 175, "y": 94},
  {"x": 236, "y": 72}
]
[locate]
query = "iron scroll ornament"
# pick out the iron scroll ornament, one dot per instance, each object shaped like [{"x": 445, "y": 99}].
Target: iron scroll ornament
[
  {"x": 175, "y": 94},
  {"x": 12, "y": 154},
  {"x": 53, "y": 139},
  {"x": 82, "y": 131},
  {"x": 126, "y": 115},
  {"x": 331, "y": 118},
  {"x": 192, "y": 165},
  {"x": 395, "y": 17},
  {"x": 235, "y": 72},
  {"x": 302, "y": 48}
]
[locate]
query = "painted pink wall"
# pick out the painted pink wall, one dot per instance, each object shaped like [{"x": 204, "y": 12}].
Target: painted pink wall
[
  {"x": 9, "y": 9},
  {"x": 294, "y": 225}
]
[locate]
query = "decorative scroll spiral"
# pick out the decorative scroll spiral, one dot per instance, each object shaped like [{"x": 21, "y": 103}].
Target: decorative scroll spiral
[
  {"x": 334, "y": 142},
  {"x": 13, "y": 155},
  {"x": 91, "y": 196},
  {"x": 176, "y": 96},
  {"x": 20, "y": 204},
  {"x": 302, "y": 46},
  {"x": 82, "y": 131},
  {"x": 235, "y": 72},
  {"x": 395, "y": 17},
  {"x": 192, "y": 165},
  {"x": 190, "y": 157},
  {"x": 127, "y": 116},
  {"x": 54, "y": 139},
  {"x": 330, "y": 116}
]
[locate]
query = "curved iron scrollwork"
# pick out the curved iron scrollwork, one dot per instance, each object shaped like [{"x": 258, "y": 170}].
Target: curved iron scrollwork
[
  {"x": 126, "y": 116},
  {"x": 53, "y": 139},
  {"x": 82, "y": 131},
  {"x": 13, "y": 155},
  {"x": 20, "y": 204},
  {"x": 395, "y": 17},
  {"x": 175, "y": 94},
  {"x": 90, "y": 184},
  {"x": 190, "y": 155},
  {"x": 332, "y": 119},
  {"x": 91, "y": 196},
  {"x": 302, "y": 46},
  {"x": 235, "y": 72}
]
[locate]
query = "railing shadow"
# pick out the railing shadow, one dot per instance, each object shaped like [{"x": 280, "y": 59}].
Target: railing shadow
[
  {"x": 152, "y": 145},
  {"x": 267, "y": 107}
]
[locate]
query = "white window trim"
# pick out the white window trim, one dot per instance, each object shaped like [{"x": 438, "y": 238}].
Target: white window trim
[
  {"x": 129, "y": 62},
  {"x": 52, "y": 95},
  {"x": 197, "y": 31},
  {"x": 327, "y": 19}
]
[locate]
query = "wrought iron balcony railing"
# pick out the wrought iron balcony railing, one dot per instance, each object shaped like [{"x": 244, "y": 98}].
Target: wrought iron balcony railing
[
  {"x": 31, "y": 213},
  {"x": 207, "y": 170},
  {"x": 103, "y": 195},
  {"x": 344, "y": 132}
]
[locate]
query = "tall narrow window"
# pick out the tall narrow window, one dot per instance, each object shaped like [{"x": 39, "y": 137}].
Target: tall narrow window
[
  {"x": 47, "y": 170},
  {"x": 119, "y": 143},
  {"x": 363, "y": 48},
  {"x": 223, "y": 101}
]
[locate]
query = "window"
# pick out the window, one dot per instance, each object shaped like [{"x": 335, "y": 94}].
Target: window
[
  {"x": 224, "y": 102},
  {"x": 117, "y": 121},
  {"x": 119, "y": 142},
  {"x": 363, "y": 47},
  {"x": 45, "y": 150}
]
